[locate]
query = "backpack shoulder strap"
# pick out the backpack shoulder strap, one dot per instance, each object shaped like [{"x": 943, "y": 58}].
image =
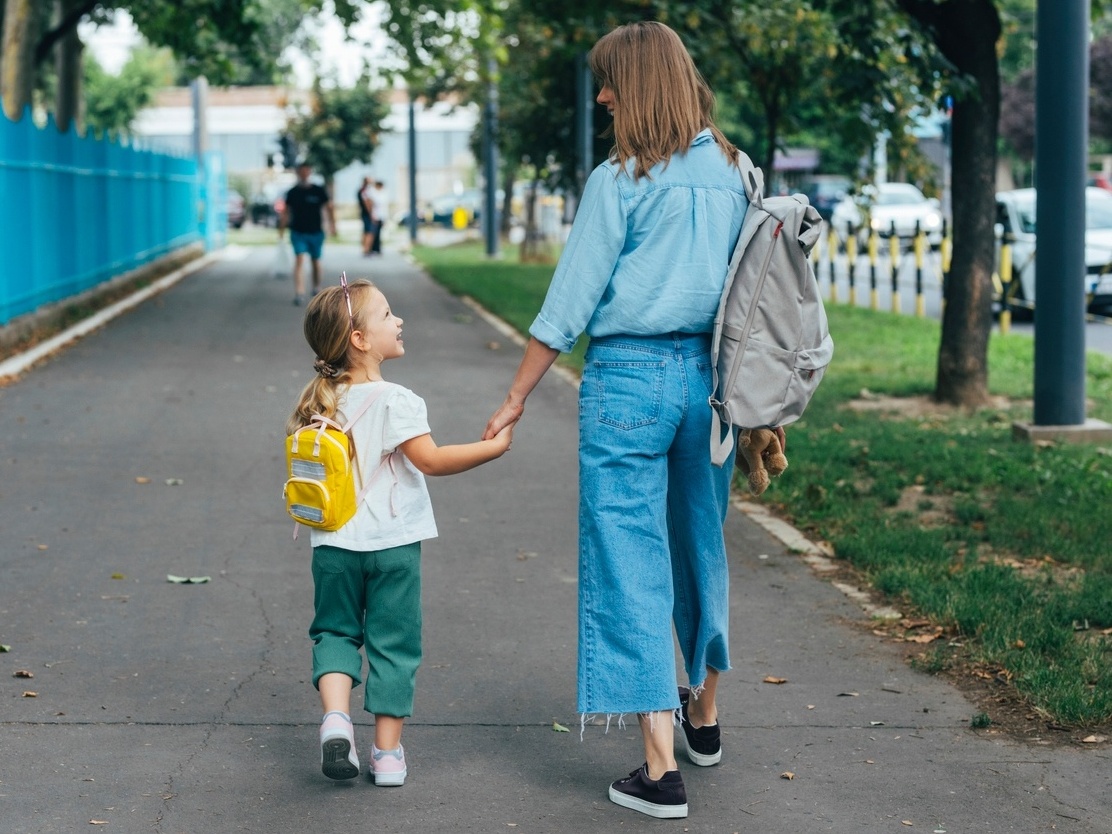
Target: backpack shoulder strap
[
  {"x": 367, "y": 403},
  {"x": 752, "y": 177}
]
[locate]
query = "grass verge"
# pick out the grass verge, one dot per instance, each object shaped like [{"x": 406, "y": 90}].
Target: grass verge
[{"x": 998, "y": 550}]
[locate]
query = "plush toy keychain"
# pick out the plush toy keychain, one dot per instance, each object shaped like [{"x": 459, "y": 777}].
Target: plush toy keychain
[{"x": 759, "y": 456}]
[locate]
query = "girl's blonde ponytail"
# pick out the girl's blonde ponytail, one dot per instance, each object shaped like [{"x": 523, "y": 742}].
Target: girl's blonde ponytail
[{"x": 328, "y": 331}]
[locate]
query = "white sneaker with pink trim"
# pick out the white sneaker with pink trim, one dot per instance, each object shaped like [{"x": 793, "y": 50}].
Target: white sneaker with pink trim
[
  {"x": 388, "y": 766},
  {"x": 338, "y": 759}
]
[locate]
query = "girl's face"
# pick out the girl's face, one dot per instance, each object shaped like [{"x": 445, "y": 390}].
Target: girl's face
[
  {"x": 382, "y": 330},
  {"x": 606, "y": 98}
]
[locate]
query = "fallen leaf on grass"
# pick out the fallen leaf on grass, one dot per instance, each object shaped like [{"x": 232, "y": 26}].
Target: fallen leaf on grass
[
  {"x": 774, "y": 679},
  {"x": 188, "y": 580},
  {"x": 1094, "y": 739},
  {"x": 23, "y": 673},
  {"x": 787, "y": 774},
  {"x": 560, "y": 728},
  {"x": 1019, "y": 644},
  {"x": 922, "y": 638}
]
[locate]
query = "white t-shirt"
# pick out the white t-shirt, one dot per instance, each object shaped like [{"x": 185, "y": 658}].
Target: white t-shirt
[{"x": 396, "y": 509}]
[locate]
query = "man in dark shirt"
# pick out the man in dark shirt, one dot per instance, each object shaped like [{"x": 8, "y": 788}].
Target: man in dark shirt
[{"x": 307, "y": 205}]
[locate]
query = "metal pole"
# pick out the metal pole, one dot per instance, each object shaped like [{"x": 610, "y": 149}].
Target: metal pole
[
  {"x": 199, "y": 94},
  {"x": 490, "y": 163},
  {"x": 412, "y": 170},
  {"x": 1061, "y": 130}
]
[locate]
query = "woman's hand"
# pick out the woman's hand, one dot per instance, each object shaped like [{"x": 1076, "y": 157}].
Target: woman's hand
[{"x": 507, "y": 415}]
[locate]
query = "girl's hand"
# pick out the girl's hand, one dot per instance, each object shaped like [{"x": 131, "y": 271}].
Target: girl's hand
[
  {"x": 506, "y": 415},
  {"x": 504, "y": 438}
]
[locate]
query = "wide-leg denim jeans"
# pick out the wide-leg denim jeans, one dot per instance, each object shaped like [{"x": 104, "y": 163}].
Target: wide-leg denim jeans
[{"x": 651, "y": 509}]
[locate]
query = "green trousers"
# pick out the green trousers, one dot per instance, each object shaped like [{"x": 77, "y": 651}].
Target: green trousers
[{"x": 372, "y": 601}]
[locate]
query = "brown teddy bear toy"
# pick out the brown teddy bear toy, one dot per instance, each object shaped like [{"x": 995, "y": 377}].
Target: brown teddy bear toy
[{"x": 759, "y": 455}]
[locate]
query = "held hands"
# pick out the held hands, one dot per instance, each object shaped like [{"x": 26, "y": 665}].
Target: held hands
[
  {"x": 505, "y": 417},
  {"x": 503, "y": 439}
]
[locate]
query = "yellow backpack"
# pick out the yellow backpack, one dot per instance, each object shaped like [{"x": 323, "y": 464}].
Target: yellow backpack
[{"x": 320, "y": 486}]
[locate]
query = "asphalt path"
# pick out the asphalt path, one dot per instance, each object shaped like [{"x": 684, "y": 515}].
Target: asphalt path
[{"x": 130, "y": 703}]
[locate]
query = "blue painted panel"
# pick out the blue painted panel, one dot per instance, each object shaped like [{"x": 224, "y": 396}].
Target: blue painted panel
[{"x": 85, "y": 209}]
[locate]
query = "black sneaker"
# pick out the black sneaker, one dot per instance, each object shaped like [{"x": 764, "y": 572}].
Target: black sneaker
[
  {"x": 664, "y": 798},
  {"x": 704, "y": 745}
]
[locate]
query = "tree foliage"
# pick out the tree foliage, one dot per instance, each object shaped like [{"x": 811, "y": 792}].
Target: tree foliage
[
  {"x": 340, "y": 126},
  {"x": 113, "y": 101}
]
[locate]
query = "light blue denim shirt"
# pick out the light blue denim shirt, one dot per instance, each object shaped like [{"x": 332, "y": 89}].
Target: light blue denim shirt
[{"x": 647, "y": 257}]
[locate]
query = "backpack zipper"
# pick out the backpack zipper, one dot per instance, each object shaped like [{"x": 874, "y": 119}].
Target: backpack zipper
[{"x": 743, "y": 340}]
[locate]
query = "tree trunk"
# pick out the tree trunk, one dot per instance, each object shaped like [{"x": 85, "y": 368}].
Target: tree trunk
[
  {"x": 16, "y": 73},
  {"x": 67, "y": 107},
  {"x": 966, "y": 32}
]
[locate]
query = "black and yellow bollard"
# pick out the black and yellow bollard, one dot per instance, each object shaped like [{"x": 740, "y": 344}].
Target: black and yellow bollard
[
  {"x": 1006, "y": 289},
  {"x": 851, "y": 262},
  {"x": 874, "y": 245},
  {"x": 920, "y": 259},
  {"x": 946, "y": 250},
  {"x": 894, "y": 262},
  {"x": 831, "y": 253}
]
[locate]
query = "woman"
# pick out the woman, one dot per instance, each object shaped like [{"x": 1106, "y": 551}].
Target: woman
[{"x": 642, "y": 274}]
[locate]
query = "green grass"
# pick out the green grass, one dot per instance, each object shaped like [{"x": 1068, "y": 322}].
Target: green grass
[{"x": 1005, "y": 543}]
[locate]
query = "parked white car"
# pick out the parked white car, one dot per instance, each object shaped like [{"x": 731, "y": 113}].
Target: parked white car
[
  {"x": 1015, "y": 222},
  {"x": 878, "y": 207}
]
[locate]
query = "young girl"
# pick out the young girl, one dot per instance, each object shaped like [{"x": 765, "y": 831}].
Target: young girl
[{"x": 366, "y": 575}]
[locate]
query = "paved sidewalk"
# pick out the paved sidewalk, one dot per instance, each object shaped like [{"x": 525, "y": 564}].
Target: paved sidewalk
[{"x": 153, "y": 447}]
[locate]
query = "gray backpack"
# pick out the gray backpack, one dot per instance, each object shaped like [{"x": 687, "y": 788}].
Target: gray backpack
[{"x": 771, "y": 339}]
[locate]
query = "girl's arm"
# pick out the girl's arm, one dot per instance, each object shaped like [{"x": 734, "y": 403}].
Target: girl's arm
[
  {"x": 431, "y": 459},
  {"x": 535, "y": 363}
]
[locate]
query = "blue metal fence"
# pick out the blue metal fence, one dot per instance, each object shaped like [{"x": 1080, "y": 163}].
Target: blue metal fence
[{"x": 78, "y": 211}]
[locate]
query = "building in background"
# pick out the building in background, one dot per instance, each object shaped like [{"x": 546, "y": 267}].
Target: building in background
[{"x": 245, "y": 123}]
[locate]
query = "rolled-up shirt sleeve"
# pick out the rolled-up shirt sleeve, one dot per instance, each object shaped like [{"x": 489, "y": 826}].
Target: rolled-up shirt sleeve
[{"x": 587, "y": 264}]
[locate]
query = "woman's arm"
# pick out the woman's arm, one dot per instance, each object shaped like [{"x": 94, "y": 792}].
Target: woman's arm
[
  {"x": 535, "y": 363},
  {"x": 431, "y": 459}
]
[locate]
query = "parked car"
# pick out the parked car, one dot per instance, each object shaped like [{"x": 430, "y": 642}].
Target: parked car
[
  {"x": 881, "y": 206},
  {"x": 237, "y": 209},
  {"x": 824, "y": 192},
  {"x": 441, "y": 210},
  {"x": 268, "y": 203},
  {"x": 1099, "y": 181},
  {"x": 1015, "y": 223}
]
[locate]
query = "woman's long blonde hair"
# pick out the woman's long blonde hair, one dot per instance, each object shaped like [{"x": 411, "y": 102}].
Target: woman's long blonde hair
[
  {"x": 328, "y": 331},
  {"x": 661, "y": 100}
]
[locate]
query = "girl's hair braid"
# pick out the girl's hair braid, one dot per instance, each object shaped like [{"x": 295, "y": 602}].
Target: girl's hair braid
[{"x": 328, "y": 331}]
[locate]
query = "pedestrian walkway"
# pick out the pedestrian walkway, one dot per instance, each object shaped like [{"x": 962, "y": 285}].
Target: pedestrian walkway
[{"x": 153, "y": 448}]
